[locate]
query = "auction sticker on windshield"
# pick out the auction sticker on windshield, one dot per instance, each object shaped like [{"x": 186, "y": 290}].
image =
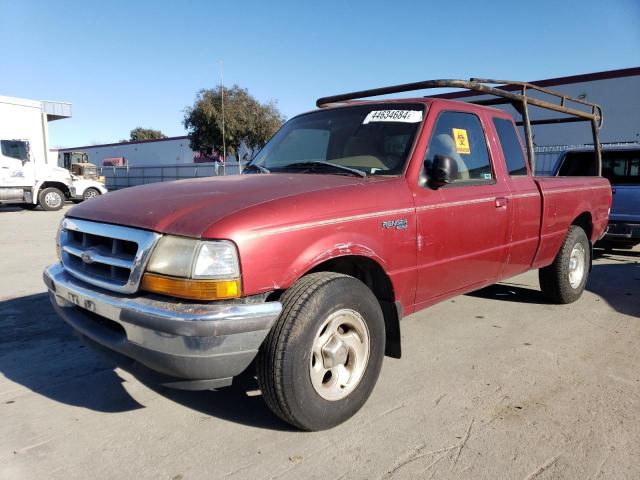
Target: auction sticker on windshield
[{"x": 405, "y": 116}]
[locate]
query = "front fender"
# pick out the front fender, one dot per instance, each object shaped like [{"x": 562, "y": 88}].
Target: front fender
[
  {"x": 334, "y": 246},
  {"x": 275, "y": 261}
]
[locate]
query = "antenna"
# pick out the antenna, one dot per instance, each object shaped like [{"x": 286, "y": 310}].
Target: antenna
[{"x": 224, "y": 141}]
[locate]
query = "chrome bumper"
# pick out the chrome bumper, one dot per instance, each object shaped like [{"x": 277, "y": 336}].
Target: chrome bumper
[{"x": 198, "y": 345}]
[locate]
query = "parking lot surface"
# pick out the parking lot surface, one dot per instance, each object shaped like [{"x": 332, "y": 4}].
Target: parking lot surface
[{"x": 495, "y": 384}]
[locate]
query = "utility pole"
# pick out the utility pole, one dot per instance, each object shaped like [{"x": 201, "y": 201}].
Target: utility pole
[{"x": 224, "y": 140}]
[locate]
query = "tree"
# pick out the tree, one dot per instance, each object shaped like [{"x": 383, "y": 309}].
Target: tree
[
  {"x": 140, "y": 133},
  {"x": 246, "y": 121}
]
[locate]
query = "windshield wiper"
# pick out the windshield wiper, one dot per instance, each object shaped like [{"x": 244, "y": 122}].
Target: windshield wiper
[
  {"x": 256, "y": 167},
  {"x": 318, "y": 163}
]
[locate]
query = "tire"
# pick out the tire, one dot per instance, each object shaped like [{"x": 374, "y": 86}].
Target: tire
[
  {"x": 564, "y": 280},
  {"x": 51, "y": 199},
  {"x": 292, "y": 359},
  {"x": 90, "y": 193}
]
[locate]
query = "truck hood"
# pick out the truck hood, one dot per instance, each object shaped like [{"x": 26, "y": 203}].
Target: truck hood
[{"x": 190, "y": 207}]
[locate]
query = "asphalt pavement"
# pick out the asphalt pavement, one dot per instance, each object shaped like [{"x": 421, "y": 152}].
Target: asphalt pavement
[{"x": 494, "y": 384}]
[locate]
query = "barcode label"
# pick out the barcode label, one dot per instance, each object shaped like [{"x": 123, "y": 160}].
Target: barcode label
[{"x": 405, "y": 116}]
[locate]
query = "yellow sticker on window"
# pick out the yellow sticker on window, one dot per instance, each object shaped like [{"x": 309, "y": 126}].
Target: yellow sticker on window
[{"x": 462, "y": 141}]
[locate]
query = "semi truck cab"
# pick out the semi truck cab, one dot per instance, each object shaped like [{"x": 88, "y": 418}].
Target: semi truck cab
[
  {"x": 27, "y": 177},
  {"x": 27, "y": 182}
]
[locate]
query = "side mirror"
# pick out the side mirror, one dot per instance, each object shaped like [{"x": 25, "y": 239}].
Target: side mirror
[{"x": 441, "y": 171}]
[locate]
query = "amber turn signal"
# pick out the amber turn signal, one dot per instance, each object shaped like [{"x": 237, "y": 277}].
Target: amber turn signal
[{"x": 191, "y": 289}]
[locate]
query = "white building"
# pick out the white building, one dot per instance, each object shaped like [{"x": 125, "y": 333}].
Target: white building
[
  {"x": 143, "y": 153},
  {"x": 616, "y": 91},
  {"x": 166, "y": 151}
]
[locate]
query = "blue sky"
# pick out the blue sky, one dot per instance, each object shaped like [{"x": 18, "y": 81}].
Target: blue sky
[{"x": 129, "y": 63}]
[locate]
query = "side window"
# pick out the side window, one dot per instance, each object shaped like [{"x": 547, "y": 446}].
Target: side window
[
  {"x": 460, "y": 137},
  {"x": 511, "y": 147},
  {"x": 17, "y": 149}
]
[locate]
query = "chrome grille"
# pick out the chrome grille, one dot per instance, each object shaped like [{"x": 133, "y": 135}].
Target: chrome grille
[{"x": 108, "y": 256}]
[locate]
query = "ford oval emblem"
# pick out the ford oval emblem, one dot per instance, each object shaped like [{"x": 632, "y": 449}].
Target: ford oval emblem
[{"x": 86, "y": 257}]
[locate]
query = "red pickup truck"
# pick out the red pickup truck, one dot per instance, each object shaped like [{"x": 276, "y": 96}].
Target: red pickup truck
[{"x": 350, "y": 218}]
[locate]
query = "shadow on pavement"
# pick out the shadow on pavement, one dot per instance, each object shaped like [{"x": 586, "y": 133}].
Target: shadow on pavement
[
  {"x": 617, "y": 283},
  {"x": 507, "y": 292},
  {"x": 241, "y": 402},
  {"x": 10, "y": 208},
  {"x": 40, "y": 352}
]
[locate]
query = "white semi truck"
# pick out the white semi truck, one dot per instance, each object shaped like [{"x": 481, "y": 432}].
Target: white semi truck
[{"x": 26, "y": 176}]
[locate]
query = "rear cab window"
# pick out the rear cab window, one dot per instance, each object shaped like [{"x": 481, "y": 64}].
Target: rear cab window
[
  {"x": 511, "y": 147},
  {"x": 580, "y": 164},
  {"x": 621, "y": 168},
  {"x": 460, "y": 136}
]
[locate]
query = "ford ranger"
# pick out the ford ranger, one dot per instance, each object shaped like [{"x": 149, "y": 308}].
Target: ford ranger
[{"x": 350, "y": 218}]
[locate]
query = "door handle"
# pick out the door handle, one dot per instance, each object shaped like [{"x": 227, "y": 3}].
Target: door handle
[
  {"x": 613, "y": 191},
  {"x": 501, "y": 202}
]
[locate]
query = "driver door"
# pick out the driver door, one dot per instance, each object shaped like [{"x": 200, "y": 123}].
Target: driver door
[
  {"x": 463, "y": 227},
  {"x": 14, "y": 164}
]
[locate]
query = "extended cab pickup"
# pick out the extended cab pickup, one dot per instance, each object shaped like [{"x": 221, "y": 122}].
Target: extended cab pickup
[{"x": 351, "y": 217}]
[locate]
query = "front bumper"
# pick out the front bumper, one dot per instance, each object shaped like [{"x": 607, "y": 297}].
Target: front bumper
[
  {"x": 77, "y": 192},
  {"x": 194, "y": 345}
]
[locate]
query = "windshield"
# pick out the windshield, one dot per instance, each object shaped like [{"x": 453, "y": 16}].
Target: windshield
[{"x": 375, "y": 139}]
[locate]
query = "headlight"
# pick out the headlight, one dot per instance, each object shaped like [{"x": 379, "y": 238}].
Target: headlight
[
  {"x": 216, "y": 260},
  {"x": 188, "y": 268}
]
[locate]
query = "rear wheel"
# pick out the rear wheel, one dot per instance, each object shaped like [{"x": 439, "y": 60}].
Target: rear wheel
[
  {"x": 51, "y": 199},
  {"x": 564, "y": 280},
  {"x": 323, "y": 356}
]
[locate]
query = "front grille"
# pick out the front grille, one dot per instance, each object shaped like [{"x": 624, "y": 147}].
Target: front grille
[{"x": 108, "y": 256}]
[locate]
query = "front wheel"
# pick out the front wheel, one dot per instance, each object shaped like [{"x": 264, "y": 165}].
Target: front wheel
[
  {"x": 51, "y": 199},
  {"x": 321, "y": 359},
  {"x": 90, "y": 193},
  {"x": 564, "y": 280}
]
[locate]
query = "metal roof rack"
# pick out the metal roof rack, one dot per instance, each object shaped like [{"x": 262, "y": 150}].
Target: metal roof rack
[{"x": 506, "y": 93}]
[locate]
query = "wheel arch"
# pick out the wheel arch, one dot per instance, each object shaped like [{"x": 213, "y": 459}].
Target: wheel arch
[
  {"x": 585, "y": 221},
  {"x": 59, "y": 185},
  {"x": 373, "y": 275}
]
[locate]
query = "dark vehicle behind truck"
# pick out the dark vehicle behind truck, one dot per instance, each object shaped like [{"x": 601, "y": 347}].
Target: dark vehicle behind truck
[{"x": 621, "y": 165}]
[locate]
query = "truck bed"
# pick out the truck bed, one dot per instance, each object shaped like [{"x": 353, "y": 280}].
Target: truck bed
[{"x": 563, "y": 200}]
